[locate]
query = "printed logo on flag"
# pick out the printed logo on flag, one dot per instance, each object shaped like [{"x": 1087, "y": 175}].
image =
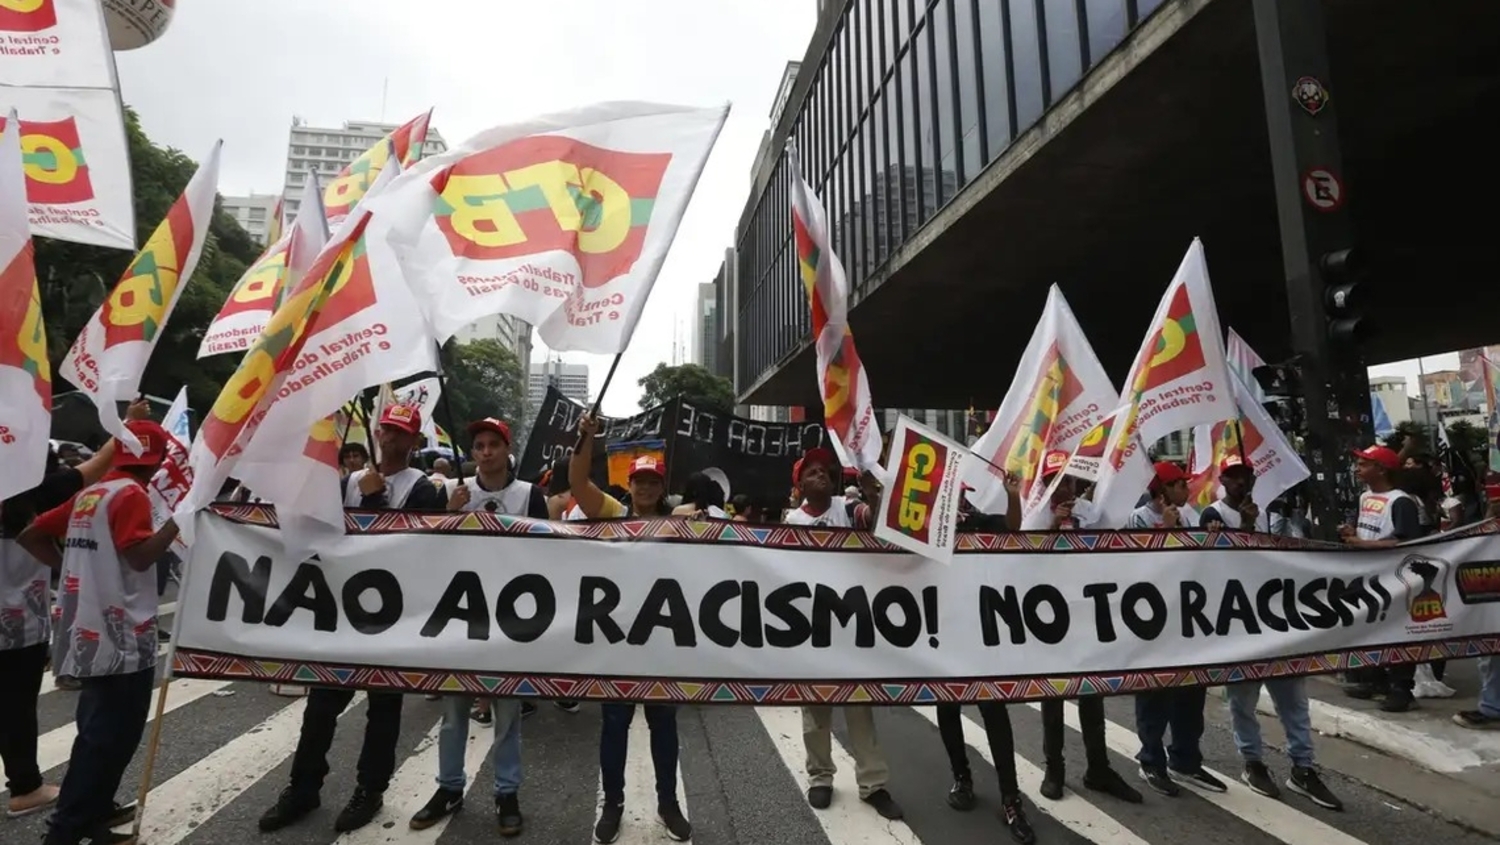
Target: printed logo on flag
[
  {"x": 137, "y": 307},
  {"x": 545, "y": 194},
  {"x": 27, "y": 15},
  {"x": 1176, "y": 350},
  {"x": 27, "y": 349},
  {"x": 354, "y": 181},
  {"x": 337, "y": 287},
  {"x": 257, "y": 290},
  {"x": 918, "y": 479},
  {"x": 1055, "y": 388},
  {"x": 323, "y": 442},
  {"x": 56, "y": 171},
  {"x": 1478, "y": 581}
]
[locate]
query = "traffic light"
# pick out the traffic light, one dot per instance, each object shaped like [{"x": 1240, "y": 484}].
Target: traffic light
[
  {"x": 1282, "y": 386},
  {"x": 1343, "y": 274}
]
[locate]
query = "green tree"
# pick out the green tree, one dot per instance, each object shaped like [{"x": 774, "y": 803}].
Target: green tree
[
  {"x": 483, "y": 380},
  {"x": 74, "y": 279},
  {"x": 1472, "y": 441},
  {"x": 1410, "y": 428},
  {"x": 690, "y": 381}
]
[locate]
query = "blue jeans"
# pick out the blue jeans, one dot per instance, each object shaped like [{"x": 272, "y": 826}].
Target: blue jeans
[
  {"x": 1489, "y": 687},
  {"x": 1181, "y": 709},
  {"x": 1290, "y": 698},
  {"x": 111, "y": 716},
  {"x": 454, "y": 737},
  {"x": 614, "y": 746}
]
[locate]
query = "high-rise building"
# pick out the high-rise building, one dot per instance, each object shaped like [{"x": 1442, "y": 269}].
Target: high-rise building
[
  {"x": 253, "y": 213},
  {"x": 325, "y": 151},
  {"x": 705, "y": 328},
  {"x": 572, "y": 380}
]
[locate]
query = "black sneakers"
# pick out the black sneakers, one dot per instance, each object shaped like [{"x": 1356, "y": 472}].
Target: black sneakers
[
  {"x": 679, "y": 829},
  {"x": 360, "y": 811},
  {"x": 884, "y": 804},
  {"x": 1160, "y": 781},
  {"x": 1258, "y": 778},
  {"x": 607, "y": 829},
  {"x": 120, "y": 814},
  {"x": 290, "y": 808},
  {"x": 1052, "y": 782},
  {"x": 567, "y": 706},
  {"x": 1013, "y": 813},
  {"x": 961, "y": 796},
  {"x": 442, "y": 804},
  {"x": 508, "y": 815},
  {"x": 1109, "y": 782},
  {"x": 1305, "y": 781},
  {"x": 819, "y": 797},
  {"x": 1202, "y": 780}
]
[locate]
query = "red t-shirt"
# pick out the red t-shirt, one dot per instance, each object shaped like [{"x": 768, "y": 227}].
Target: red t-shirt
[{"x": 129, "y": 514}]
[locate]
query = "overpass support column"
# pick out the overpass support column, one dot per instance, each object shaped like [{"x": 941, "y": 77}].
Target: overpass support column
[{"x": 1311, "y": 200}]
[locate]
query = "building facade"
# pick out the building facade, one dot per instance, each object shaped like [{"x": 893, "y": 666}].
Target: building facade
[
  {"x": 572, "y": 380},
  {"x": 327, "y": 150},
  {"x": 706, "y": 327},
  {"x": 254, "y": 213}
]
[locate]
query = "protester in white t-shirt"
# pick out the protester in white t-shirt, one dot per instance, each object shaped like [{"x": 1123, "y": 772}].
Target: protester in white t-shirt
[
  {"x": 105, "y": 634},
  {"x": 1166, "y": 501}
]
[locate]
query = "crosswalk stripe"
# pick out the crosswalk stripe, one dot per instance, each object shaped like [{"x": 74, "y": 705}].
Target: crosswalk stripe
[
  {"x": 174, "y": 809},
  {"x": 1275, "y": 818},
  {"x": 1074, "y": 811},
  {"x": 640, "y": 825},
  {"x": 847, "y": 821}
]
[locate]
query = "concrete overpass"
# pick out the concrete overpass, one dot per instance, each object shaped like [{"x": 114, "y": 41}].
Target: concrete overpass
[{"x": 1162, "y": 139}]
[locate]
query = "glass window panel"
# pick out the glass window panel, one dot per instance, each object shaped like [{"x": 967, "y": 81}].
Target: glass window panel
[
  {"x": 880, "y": 139},
  {"x": 1064, "y": 61},
  {"x": 910, "y": 164},
  {"x": 968, "y": 89},
  {"x": 947, "y": 120},
  {"x": 867, "y": 195},
  {"x": 927, "y": 172},
  {"x": 903, "y": 22},
  {"x": 1144, "y": 8},
  {"x": 855, "y": 26},
  {"x": 1026, "y": 63},
  {"x": 992, "y": 49},
  {"x": 1107, "y": 25}
]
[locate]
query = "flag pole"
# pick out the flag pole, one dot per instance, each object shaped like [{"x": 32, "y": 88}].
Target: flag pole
[{"x": 453, "y": 427}]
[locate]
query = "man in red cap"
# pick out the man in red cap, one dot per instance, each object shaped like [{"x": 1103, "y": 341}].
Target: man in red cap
[
  {"x": 815, "y": 477},
  {"x": 106, "y": 635},
  {"x": 1235, "y": 510},
  {"x": 1387, "y": 516},
  {"x": 1166, "y": 505},
  {"x": 492, "y": 489},
  {"x": 1179, "y": 708},
  {"x": 392, "y": 484}
]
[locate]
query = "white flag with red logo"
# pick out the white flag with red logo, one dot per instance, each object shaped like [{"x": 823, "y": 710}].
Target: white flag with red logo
[
  {"x": 25, "y": 374},
  {"x": 110, "y": 355},
  {"x": 1060, "y": 392},
  {"x": 243, "y": 315},
  {"x": 563, "y": 220},
  {"x": 1252, "y": 437}
]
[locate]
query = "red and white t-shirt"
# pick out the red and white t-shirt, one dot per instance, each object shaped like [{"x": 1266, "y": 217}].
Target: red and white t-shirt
[
  {"x": 105, "y": 621},
  {"x": 837, "y": 515}
]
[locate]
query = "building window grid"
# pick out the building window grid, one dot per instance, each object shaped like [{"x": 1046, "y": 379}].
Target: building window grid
[{"x": 856, "y": 78}]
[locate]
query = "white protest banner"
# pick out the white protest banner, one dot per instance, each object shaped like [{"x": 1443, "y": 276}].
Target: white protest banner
[
  {"x": 920, "y": 510},
  {"x": 712, "y": 611},
  {"x": 109, "y": 356},
  {"x": 562, "y": 220},
  {"x": 172, "y": 481},
  {"x": 55, "y": 44},
  {"x": 77, "y": 164}
]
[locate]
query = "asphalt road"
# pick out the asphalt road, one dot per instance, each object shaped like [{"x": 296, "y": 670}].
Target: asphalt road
[{"x": 226, "y": 750}]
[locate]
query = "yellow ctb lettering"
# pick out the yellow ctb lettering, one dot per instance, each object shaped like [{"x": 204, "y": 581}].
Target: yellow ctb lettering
[
  {"x": 920, "y": 461},
  {"x": 245, "y": 388},
  {"x": 33, "y": 336},
  {"x": 263, "y": 279},
  {"x": 64, "y": 167},
  {"x": 25, "y": 7},
  {"x": 482, "y": 215}
]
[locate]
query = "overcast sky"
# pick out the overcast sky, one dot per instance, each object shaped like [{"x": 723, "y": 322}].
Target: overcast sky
[{"x": 240, "y": 69}]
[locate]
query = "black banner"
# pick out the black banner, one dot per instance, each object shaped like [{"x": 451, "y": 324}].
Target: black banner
[{"x": 755, "y": 456}]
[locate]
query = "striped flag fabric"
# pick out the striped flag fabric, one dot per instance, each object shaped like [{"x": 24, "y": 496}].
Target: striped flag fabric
[{"x": 25, "y": 374}]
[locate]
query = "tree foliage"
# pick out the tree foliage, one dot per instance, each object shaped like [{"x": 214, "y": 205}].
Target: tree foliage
[
  {"x": 1471, "y": 440},
  {"x": 690, "y": 381},
  {"x": 1406, "y": 430},
  {"x": 74, "y": 279},
  {"x": 483, "y": 380}
]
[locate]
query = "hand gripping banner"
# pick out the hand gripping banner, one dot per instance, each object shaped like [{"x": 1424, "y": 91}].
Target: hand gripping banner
[{"x": 729, "y": 612}]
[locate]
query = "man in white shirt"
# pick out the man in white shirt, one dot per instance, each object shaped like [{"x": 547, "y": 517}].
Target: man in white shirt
[
  {"x": 815, "y": 476},
  {"x": 1166, "y": 503}
]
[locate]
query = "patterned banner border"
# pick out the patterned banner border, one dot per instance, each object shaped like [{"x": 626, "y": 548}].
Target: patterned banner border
[
  {"x": 192, "y": 663},
  {"x": 679, "y": 530}
]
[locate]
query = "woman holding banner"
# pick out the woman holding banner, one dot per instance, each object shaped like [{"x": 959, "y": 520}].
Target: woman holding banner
[{"x": 647, "y": 484}]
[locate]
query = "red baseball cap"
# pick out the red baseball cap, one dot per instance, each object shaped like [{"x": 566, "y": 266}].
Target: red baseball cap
[
  {"x": 1382, "y": 455},
  {"x": 1169, "y": 473},
  {"x": 403, "y": 417},
  {"x": 1234, "y": 462},
  {"x": 491, "y": 424},
  {"x": 153, "y": 440},
  {"x": 650, "y": 465},
  {"x": 812, "y": 457},
  {"x": 1054, "y": 462}
]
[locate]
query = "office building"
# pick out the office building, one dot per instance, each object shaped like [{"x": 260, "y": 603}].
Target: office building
[
  {"x": 326, "y": 150},
  {"x": 572, "y": 380},
  {"x": 705, "y": 330},
  {"x": 254, "y": 213}
]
